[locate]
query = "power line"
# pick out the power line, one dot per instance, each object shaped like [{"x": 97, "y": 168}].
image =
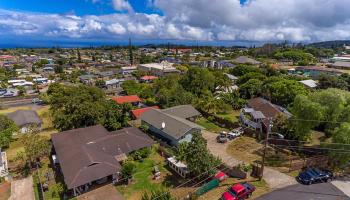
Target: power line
[
  {"x": 325, "y": 143},
  {"x": 305, "y": 148},
  {"x": 192, "y": 179}
]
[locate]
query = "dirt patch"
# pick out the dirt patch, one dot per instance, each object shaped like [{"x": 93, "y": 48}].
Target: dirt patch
[
  {"x": 244, "y": 148},
  {"x": 107, "y": 192},
  {"x": 5, "y": 190}
]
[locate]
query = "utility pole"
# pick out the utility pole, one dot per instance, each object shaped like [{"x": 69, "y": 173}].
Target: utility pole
[{"x": 268, "y": 131}]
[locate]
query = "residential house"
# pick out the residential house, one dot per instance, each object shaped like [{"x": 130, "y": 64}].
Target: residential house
[
  {"x": 159, "y": 69},
  {"x": 88, "y": 79},
  {"x": 309, "y": 83},
  {"x": 128, "y": 70},
  {"x": 26, "y": 120},
  {"x": 246, "y": 60},
  {"x": 340, "y": 65},
  {"x": 136, "y": 114},
  {"x": 106, "y": 75},
  {"x": 3, "y": 164},
  {"x": 173, "y": 125},
  {"x": 114, "y": 83},
  {"x": 133, "y": 99},
  {"x": 92, "y": 155},
  {"x": 315, "y": 71},
  {"x": 147, "y": 79},
  {"x": 258, "y": 111}
]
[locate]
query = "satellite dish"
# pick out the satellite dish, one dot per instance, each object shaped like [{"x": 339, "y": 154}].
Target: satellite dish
[{"x": 163, "y": 125}]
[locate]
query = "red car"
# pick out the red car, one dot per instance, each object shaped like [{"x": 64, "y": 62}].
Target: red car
[{"x": 239, "y": 191}]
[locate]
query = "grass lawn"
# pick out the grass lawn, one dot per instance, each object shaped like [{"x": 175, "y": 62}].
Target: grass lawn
[
  {"x": 143, "y": 178},
  {"x": 232, "y": 116},
  {"x": 13, "y": 109},
  {"x": 5, "y": 190},
  {"x": 210, "y": 126},
  {"x": 244, "y": 148},
  {"x": 45, "y": 116},
  {"x": 249, "y": 150}
]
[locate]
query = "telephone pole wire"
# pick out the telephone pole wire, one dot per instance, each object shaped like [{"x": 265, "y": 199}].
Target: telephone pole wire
[{"x": 265, "y": 148}]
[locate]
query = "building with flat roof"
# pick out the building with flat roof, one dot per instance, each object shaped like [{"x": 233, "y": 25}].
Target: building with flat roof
[{"x": 159, "y": 69}]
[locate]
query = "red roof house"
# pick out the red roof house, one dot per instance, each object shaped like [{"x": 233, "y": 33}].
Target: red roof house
[
  {"x": 138, "y": 112},
  {"x": 148, "y": 78},
  {"x": 127, "y": 99}
]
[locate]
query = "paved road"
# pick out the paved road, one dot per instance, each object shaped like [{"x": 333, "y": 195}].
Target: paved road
[
  {"x": 273, "y": 178},
  {"x": 323, "y": 191},
  {"x": 22, "y": 189}
]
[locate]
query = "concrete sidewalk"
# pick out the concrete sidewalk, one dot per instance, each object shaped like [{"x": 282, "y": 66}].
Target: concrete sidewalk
[{"x": 22, "y": 189}]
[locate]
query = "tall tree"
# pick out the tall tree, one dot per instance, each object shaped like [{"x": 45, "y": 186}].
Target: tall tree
[
  {"x": 7, "y": 129},
  {"x": 341, "y": 140},
  {"x": 35, "y": 145},
  {"x": 81, "y": 106},
  {"x": 198, "y": 159},
  {"x": 306, "y": 115}
]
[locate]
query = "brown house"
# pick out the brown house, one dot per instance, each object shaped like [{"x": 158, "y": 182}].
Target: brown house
[{"x": 91, "y": 155}]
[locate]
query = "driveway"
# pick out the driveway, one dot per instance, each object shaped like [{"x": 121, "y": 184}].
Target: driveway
[
  {"x": 107, "y": 192},
  {"x": 273, "y": 178},
  {"x": 323, "y": 191},
  {"x": 22, "y": 189}
]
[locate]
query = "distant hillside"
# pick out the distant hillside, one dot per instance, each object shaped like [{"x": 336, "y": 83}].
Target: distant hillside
[{"x": 331, "y": 44}]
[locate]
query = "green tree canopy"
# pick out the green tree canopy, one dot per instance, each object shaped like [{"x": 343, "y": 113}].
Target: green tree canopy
[
  {"x": 341, "y": 138},
  {"x": 198, "y": 80},
  {"x": 251, "y": 75},
  {"x": 305, "y": 115},
  {"x": 283, "y": 91},
  {"x": 241, "y": 70},
  {"x": 198, "y": 159},
  {"x": 251, "y": 88},
  {"x": 7, "y": 128},
  {"x": 81, "y": 106}
]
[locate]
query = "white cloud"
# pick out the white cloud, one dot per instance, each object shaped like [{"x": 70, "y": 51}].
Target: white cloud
[
  {"x": 257, "y": 20},
  {"x": 116, "y": 28},
  {"x": 122, "y": 5}
]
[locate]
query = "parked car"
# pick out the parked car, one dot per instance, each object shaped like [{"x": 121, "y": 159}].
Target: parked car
[
  {"x": 238, "y": 191},
  {"x": 276, "y": 136},
  {"x": 2, "y": 91},
  {"x": 314, "y": 175},
  {"x": 37, "y": 101},
  {"x": 235, "y": 133},
  {"x": 222, "y": 137}
]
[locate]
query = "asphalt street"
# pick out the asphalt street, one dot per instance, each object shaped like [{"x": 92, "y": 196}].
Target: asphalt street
[{"x": 322, "y": 191}]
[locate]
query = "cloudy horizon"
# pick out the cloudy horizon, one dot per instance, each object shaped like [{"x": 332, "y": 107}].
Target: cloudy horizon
[{"x": 179, "y": 20}]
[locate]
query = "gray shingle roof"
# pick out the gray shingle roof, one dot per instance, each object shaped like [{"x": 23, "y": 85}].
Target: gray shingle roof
[
  {"x": 183, "y": 111},
  {"x": 88, "y": 154},
  {"x": 24, "y": 117},
  {"x": 175, "y": 126}
]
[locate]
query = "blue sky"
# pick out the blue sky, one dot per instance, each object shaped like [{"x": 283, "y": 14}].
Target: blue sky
[
  {"x": 186, "y": 21},
  {"x": 79, "y": 7}
]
